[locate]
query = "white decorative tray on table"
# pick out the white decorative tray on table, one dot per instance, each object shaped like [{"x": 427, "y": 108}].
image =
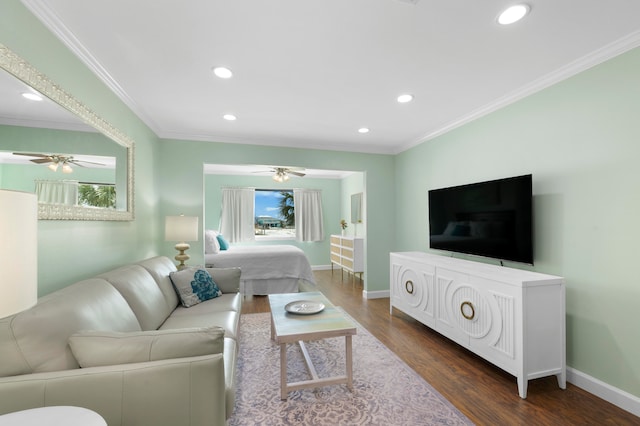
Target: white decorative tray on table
[{"x": 304, "y": 307}]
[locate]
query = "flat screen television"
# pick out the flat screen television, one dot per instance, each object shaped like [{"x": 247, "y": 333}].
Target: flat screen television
[{"x": 490, "y": 219}]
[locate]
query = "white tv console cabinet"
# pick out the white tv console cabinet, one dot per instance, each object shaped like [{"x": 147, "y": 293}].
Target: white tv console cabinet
[{"x": 512, "y": 318}]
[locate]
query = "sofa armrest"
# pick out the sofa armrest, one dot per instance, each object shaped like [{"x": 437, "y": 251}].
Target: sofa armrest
[{"x": 185, "y": 391}]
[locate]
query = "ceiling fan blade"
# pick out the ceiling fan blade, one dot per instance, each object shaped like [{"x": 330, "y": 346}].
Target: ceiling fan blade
[
  {"x": 296, "y": 173},
  {"x": 83, "y": 161},
  {"x": 41, "y": 160},
  {"x": 32, "y": 155}
]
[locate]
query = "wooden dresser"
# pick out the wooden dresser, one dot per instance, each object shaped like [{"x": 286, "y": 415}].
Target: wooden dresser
[{"x": 348, "y": 254}]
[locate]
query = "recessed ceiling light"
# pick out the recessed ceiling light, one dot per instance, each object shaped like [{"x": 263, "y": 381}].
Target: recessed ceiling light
[
  {"x": 513, "y": 14},
  {"x": 229, "y": 117},
  {"x": 363, "y": 130},
  {"x": 222, "y": 72},
  {"x": 405, "y": 98},
  {"x": 32, "y": 96}
]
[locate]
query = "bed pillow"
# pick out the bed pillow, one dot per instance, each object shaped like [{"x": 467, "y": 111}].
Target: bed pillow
[
  {"x": 224, "y": 244},
  {"x": 211, "y": 245},
  {"x": 194, "y": 285},
  {"x": 98, "y": 348}
]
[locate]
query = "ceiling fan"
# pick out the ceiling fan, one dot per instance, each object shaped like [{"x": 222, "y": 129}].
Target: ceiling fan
[
  {"x": 281, "y": 174},
  {"x": 57, "y": 160}
]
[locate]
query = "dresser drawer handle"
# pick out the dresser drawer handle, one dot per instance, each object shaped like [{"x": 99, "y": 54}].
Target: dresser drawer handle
[
  {"x": 464, "y": 310},
  {"x": 409, "y": 286}
]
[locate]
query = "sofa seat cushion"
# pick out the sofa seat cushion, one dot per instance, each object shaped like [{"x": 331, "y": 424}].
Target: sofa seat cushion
[
  {"x": 35, "y": 340},
  {"x": 141, "y": 292},
  {"x": 100, "y": 348},
  {"x": 228, "y": 320}
]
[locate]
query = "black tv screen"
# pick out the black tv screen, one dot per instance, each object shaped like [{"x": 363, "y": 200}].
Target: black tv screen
[{"x": 490, "y": 219}]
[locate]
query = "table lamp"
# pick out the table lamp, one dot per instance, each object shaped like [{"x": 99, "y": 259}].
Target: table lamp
[
  {"x": 182, "y": 229},
  {"x": 18, "y": 251}
]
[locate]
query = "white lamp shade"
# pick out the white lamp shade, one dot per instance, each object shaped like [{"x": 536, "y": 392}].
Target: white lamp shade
[
  {"x": 18, "y": 251},
  {"x": 181, "y": 228}
]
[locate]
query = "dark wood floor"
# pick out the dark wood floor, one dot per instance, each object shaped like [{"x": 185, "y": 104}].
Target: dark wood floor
[{"x": 483, "y": 392}]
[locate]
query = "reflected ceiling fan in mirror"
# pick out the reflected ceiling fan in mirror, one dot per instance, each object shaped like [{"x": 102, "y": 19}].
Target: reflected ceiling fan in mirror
[{"x": 57, "y": 160}]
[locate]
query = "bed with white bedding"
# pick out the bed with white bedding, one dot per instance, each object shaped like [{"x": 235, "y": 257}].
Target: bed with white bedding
[{"x": 266, "y": 269}]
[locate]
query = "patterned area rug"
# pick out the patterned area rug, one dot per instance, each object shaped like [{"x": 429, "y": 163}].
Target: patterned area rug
[{"x": 386, "y": 391}]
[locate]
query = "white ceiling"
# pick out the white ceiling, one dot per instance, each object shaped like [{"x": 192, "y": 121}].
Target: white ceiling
[{"x": 309, "y": 73}]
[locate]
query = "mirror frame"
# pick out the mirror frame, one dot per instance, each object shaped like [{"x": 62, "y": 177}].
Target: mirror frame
[
  {"x": 356, "y": 208},
  {"x": 21, "y": 69}
]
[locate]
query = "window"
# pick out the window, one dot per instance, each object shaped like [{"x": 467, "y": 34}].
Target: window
[
  {"x": 97, "y": 195},
  {"x": 275, "y": 214}
]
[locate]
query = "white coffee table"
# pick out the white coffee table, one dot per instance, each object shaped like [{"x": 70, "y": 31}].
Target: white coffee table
[
  {"x": 53, "y": 416},
  {"x": 290, "y": 328}
]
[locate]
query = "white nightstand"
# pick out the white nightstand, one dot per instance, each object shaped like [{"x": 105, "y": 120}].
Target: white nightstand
[{"x": 53, "y": 416}]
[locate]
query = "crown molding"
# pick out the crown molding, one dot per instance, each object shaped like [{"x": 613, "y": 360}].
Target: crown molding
[
  {"x": 49, "y": 18},
  {"x": 594, "y": 58},
  {"x": 42, "y": 11}
]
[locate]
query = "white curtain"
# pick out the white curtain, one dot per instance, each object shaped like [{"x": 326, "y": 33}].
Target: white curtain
[
  {"x": 57, "y": 191},
  {"x": 237, "y": 218},
  {"x": 309, "y": 222}
]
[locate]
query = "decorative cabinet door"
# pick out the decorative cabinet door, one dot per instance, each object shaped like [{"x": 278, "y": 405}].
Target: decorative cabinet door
[
  {"x": 453, "y": 289},
  {"x": 413, "y": 290},
  {"x": 476, "y": 313},
  {"x": 497, "y": 305}
]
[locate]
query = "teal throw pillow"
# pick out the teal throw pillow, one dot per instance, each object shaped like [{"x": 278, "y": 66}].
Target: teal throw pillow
[
  {"x": 224, "y": 244},
  {"x": 194, "y": 285}
]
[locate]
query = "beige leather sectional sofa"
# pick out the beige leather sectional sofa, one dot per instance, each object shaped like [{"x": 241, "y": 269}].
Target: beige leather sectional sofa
[{"x": 122, "y": 345}]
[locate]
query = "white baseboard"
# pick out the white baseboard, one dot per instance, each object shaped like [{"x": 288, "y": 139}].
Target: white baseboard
[
  {"x": 320, "y": 267},
  {"x": 618, "y": 397},
  {"x": 375, "y": 294}
]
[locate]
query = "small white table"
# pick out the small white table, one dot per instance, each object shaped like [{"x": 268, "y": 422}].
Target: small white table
[
  {"x": 291, "y": 328},
  {"x": 53, "y": 416}
]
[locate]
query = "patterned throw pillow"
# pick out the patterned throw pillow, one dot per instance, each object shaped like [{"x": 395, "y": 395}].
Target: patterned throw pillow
[{"x": 194, "y": 285}]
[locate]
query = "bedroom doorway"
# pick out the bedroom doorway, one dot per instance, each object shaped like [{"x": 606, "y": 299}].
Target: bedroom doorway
[{"x": 337, "y": 187}]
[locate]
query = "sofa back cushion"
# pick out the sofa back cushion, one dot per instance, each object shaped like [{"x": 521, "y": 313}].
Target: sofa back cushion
[
  {"x": 142, "y": 294},
  {"x": 160, "y": 267},
  {"x": 36, "y": 340}
]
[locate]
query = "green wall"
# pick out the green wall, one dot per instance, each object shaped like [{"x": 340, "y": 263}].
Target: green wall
[
  {"x": 72, "y": 250},
  {"x": 581, "y": 141},
  {"x": 182, "y": 183}
]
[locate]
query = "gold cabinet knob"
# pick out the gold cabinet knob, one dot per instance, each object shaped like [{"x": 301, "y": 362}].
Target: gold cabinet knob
[
  {"x": 409, "y": 286},
  {"x": 467, "y": 310}
]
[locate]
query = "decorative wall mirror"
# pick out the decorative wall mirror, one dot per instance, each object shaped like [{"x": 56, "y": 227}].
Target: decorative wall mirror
[
  {"x": 356, "y": 208},
  {"x": 61, "y": 132}
]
